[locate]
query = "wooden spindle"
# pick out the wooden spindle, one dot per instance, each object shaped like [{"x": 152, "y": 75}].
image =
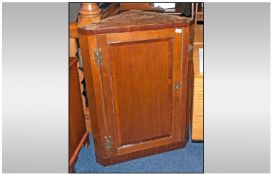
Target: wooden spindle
[
  {"x": 73, "y": 47},
  {"x": 89, "y": 13}
]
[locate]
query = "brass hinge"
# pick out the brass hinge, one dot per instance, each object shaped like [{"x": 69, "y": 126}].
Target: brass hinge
[
  {"x": 98, "y": 56},
  {"x": 108, "y": 142}
]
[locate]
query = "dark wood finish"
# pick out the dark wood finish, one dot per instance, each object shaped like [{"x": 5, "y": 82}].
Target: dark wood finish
[
  {"x": 198, "y": 12},
  {"x": 78, "y": 134},
  {"x": 139, "y": 6},
  {"x": 116, "y": 8},
  {"x": 111, "y": 10},
  {"x": 134, "y": 93},
  {"x": 148, "y": 7},
  {"x": 140, "y": 153},
  {"x": 190, "y": 74},
  {"x": 133, "y": 6}
]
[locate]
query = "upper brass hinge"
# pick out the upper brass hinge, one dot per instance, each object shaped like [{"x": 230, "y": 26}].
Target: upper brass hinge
[
  {"x": 98, "y": 56},
  {"x": 108, "y": 142}
]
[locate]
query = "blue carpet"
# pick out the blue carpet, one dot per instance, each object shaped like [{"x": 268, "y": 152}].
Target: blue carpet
[{"x": 186, "y": 160}]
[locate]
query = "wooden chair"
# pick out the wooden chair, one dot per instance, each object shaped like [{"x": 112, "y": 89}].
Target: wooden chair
[
  {"x": 198, "y": 12},
  {"x": 79, "y": 118}
]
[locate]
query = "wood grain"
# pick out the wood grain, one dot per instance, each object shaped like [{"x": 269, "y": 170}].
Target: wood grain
[
  {"x": 198, "y": 34},
  {"x": 135, "y": 20},
  {"x": 153, "y": 95},
  {"x": 111, "y": 10},
  {"x": 197, "y": 133},
  {"x": 138, "y": 154},
  {"x": 73, "y": 30},
  {"x": 78, "y": 135},
  {"x": 139, "y": 6},
  {"x": 89, "y": 13},
  {"x": 117, "y": 8},
  {"x": 197, "y": 122},
  {"x": 133, "y": 6},
  {"x": 139, "y": 93}
]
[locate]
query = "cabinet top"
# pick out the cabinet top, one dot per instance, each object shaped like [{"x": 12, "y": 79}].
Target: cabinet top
[{"x": 135, "y": 20}]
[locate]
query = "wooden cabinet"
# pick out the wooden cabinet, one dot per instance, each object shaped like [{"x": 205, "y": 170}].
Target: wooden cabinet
[
  {"x": 197, "y": 122},
  {"x": 136, "y": 66},
  {"x": 78, "y": 135}
]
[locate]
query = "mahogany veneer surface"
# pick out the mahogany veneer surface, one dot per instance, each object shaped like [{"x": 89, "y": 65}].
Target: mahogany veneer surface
[{"x": 139, "y": 88}]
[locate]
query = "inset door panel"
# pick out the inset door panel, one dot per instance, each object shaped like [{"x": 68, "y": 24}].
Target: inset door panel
[{"x": 144, "y": 69}]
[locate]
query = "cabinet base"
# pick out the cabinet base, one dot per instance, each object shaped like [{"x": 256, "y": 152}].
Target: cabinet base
[{"x": 142, "y": 153}]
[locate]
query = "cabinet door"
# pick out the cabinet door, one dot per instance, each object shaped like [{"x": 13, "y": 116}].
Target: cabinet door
[{"x": 138, "y": 90}]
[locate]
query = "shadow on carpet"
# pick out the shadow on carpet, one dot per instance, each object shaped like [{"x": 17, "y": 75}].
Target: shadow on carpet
[{"x": 186, "y": 160}]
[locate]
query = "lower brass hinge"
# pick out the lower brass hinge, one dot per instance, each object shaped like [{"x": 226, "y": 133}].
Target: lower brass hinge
[
  {"x": 98, "y": 56},
  {"x": 108, "y": 142}
]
